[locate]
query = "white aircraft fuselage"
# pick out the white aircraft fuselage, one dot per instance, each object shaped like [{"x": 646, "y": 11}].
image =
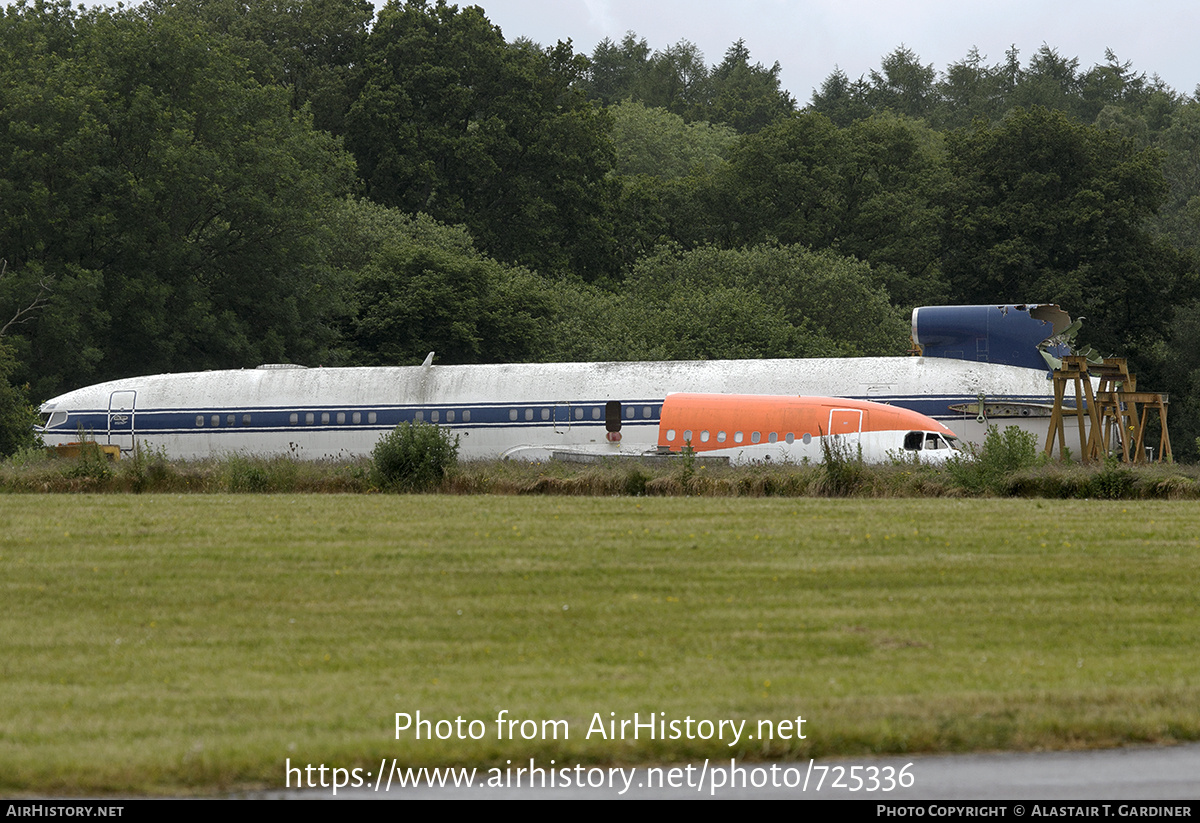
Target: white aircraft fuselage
[{"x": 527, "y": 410}]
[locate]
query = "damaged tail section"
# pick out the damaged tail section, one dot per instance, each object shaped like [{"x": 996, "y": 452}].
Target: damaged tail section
[{"x": 1028, "y": 335}]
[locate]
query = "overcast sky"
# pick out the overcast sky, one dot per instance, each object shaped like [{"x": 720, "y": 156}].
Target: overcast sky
[{"x": 810, "y": 37}]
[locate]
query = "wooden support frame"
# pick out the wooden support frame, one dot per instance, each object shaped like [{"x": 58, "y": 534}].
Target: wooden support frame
[
  {"x": 1150, "y": 402},
  {"x": 1112, "y": 408},
  {"x": 1074, "y": 370}
]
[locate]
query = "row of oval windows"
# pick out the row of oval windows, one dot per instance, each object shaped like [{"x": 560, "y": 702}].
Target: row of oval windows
[
  {"x": 631, "y": 412},
  {"x": 738, "y": 437},
  {"x": 310, "y": 418}
]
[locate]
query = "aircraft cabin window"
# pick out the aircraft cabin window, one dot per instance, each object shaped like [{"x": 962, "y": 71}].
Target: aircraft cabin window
[
  {"x": 309, "y": 418},
  {"x": 704, "y": 436},
  {"x": 646, "y": 411},
  {"x": 229, "y": 420},
  {"x": 341, "y": 418},
  {"x": 512, "y": 414},
  {"x": 356, "y": 417},
  {"x": 773, "y": 437},
  {"x": 579, "y": 414},
  {"x": 245, "y": 420},
  {"x": 596, "y": 413},
  {"x": 687, "y": 435},
  {"x": 629, "y": 412},
  {"x": 807, "y": 438},
  {"x": 529, "y": 414},
  {"x": 791, "y": 438},
  {"x": 466, "y": 415},
  {"x": 324, "y": 418},
  {"x": 216, "y": 419},
  {"x": 294, "y": 418},
  {"x": 434, "y": 416},
  {"x": 738, "y": 437},
  {"x": 449, "y": 415},
  {"x": 370, "y": 417},
  {"x": 545, "y": 414},
  {"x": 755, "y": 437},
  {"x": 720, "y": 437},
  {"x": 199, "y": 420},
  {"x": 670, "y": 435},
  {"x": 419, "y": 416}
]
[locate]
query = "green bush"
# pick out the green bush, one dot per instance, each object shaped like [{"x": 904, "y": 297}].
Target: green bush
[
  {"x": 413, "y": 457},
  {"x": 1003, "y": 453}
]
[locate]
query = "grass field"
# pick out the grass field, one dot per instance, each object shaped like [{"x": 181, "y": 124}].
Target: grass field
[{"x": 192, "y": 643}]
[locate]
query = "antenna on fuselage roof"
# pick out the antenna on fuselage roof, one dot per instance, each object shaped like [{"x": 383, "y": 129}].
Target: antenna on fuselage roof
[{"x": 428, "y": 360}]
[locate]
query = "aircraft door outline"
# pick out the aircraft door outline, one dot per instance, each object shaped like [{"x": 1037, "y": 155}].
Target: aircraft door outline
[
  {"x": 845, "y": 421},
  {"x": 562, "y": 417},
  {"x": 121, "y": 405}
]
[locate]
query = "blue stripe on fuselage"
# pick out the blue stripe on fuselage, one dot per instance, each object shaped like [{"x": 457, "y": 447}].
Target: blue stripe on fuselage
[{"x": 483, "y": 415}]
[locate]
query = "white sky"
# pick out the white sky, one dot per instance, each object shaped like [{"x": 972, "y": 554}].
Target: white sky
[{"x": 810, "y": 37}]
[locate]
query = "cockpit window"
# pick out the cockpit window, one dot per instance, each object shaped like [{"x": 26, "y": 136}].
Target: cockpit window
[
  {"x": 54, "y": 419},
  {"x": 912, "y": 441}
]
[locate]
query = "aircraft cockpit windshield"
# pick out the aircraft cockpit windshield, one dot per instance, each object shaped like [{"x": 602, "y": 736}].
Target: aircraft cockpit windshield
[
  {"x": 51, "y": 419},
  {"x": 928, "y": 441}
]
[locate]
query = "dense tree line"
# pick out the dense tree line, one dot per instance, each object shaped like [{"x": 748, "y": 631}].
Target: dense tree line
[{"x": 192, "y": 184}]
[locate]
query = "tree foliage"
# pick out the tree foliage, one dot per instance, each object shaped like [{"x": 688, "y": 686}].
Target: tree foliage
[
  {"x": 452, "y": 121},
  {"x": 655, "y": 142},
  {"x": 872, "y": 190},
  {"x": 709, "y": 303},
  {"x": 746, "y": 97},
  {"x": 309, "y": 47},
  {"x": 1049, "y": 210},
  {"x": 903, "y": 85},
  {"x": 421, "y": 286},
  {"x": 17, "y": 416},
  {"x": 734, "y": 93},
  {"x": 174, "y": 202},
  {"x": 971, "y": 88}
]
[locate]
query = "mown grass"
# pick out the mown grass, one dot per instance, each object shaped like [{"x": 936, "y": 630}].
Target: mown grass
[{"x": 192, "y": 643}]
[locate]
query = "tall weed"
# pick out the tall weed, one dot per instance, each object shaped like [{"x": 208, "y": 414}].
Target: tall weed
[{"x": 844, "y": 471}]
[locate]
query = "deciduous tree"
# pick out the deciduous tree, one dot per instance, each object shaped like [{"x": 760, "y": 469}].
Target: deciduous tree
[
  {"x": 453, "y": 121},
  {"x": 1046, "y": 209}
]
